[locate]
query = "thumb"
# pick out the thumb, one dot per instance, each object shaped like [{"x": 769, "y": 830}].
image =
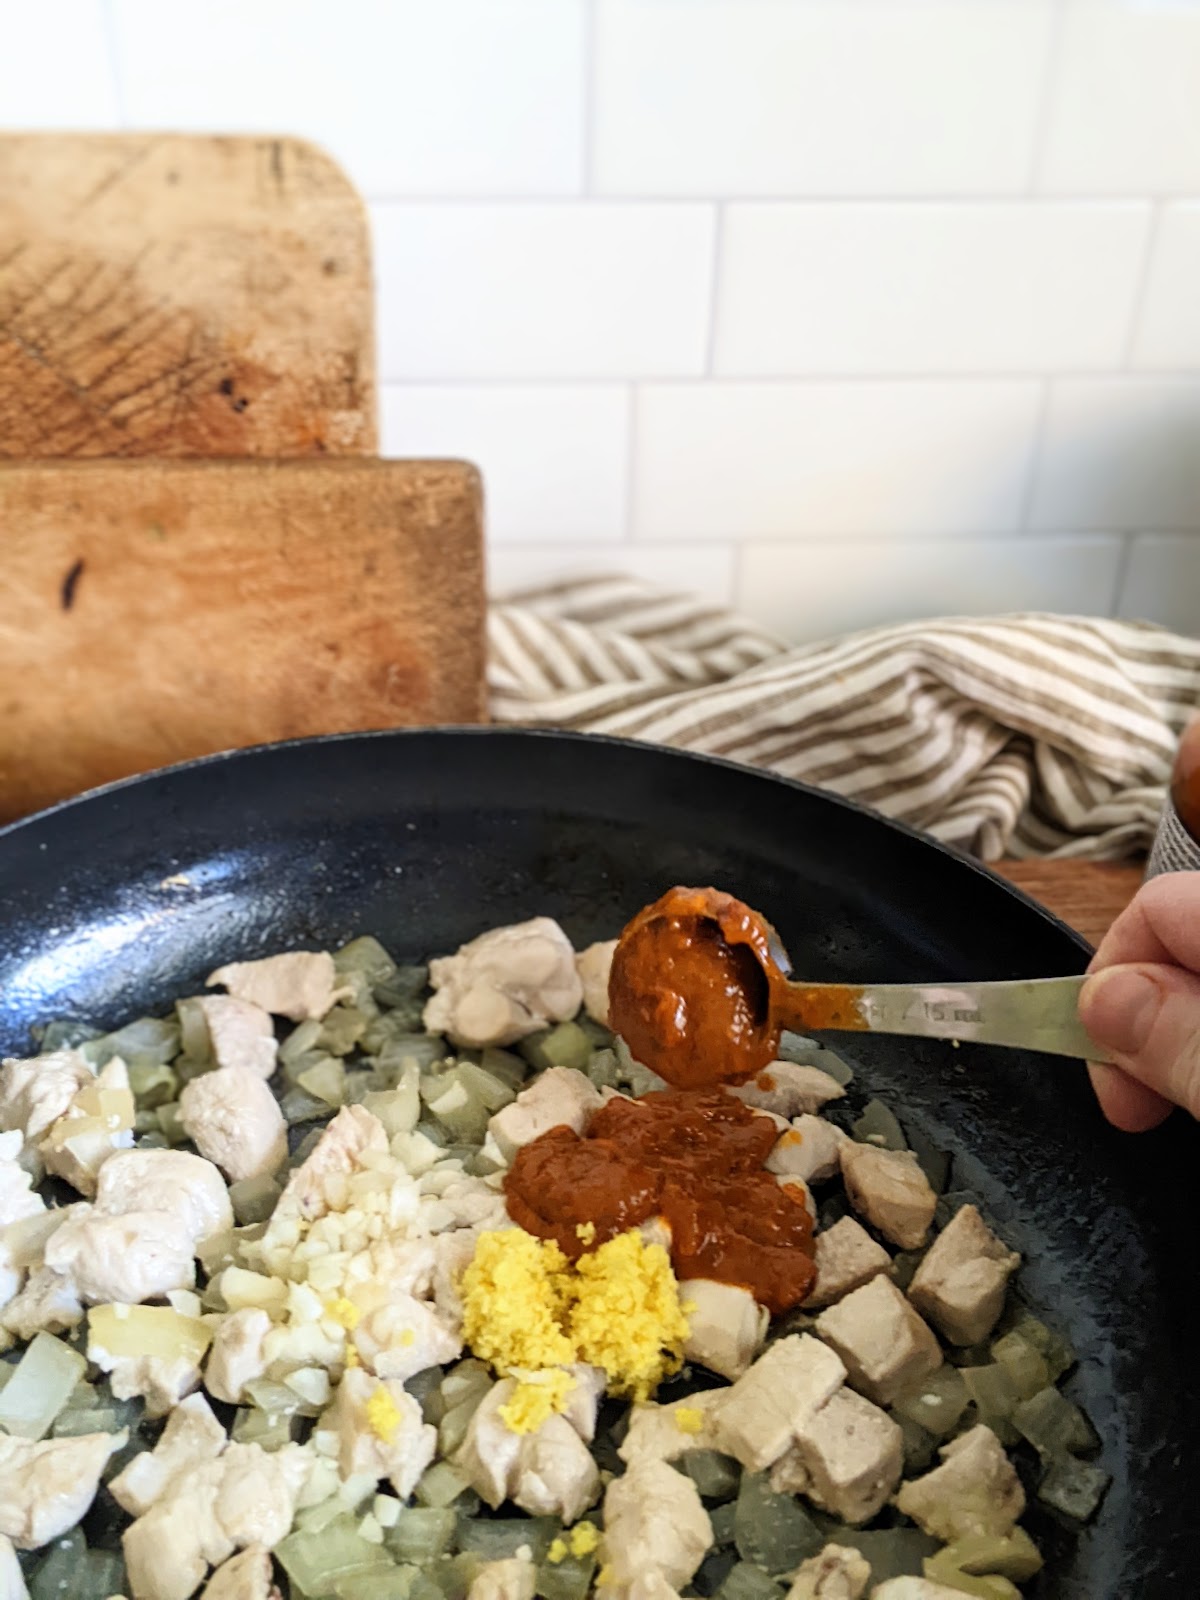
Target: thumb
[{"x": 1148, "y": 1017}]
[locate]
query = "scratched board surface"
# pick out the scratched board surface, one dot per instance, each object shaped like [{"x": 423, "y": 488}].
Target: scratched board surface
[
  {"x": 176, "y": 295},
  {"x": 159, "y": 610}
]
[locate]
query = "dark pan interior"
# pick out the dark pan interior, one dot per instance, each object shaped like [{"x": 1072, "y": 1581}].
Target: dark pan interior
[{"x": 118, "y": 902}]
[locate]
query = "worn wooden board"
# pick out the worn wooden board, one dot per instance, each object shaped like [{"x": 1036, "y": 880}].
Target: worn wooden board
[
  {"x": 182, "y": 295},
  {"x": 158, "y": 610},
  {"x": 1087, "y": 895}
]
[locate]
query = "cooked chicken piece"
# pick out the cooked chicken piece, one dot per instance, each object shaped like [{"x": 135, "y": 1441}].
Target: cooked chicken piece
[
  {"x": 185, "y": 1186},
  {"x": 237, "y": 1357},
  {"x": 655, "y": 1434},
  {"x": 836, "y": 1573},
  {"x": 247, "y": 1496},
  {"x": 647, "y": 1586},
  {"x": 491, "y": 1450},
  {"x": 504, "y": 1580},
  {"x": 17, "y": 1198},
  {"x": 788, "y": 1090},
  {"x": 882, "y": 1340},
  {"x": 816, "y": 1154},
  {"x": 593, "y": 966},
  {"x": 914, "y": 1589},
  {"x": 379, "y": 1430},
  {"x": 12, "y": 1579},
  {"x": 35, "y": 1092},
  {"x": 247, "y": 1576},
  {"x": 888, "y": 1188},
  {"x": 127, "y": 1259},
  {"x": 654, "y": 1522},
  {"x": 799, "y": 1191},
  {"x": 191, "y": 1437},
  {"x": 726, "y": 1325},
  {"x": 773, "y": 1401},
  {"x": 47, "y": 1304},
  {"x": 847, "y": 1458},
  {"x": 404, "y": 1337},
  {"x": 297, "y": 985},
  {"x": 583, "y": 1402},
  {"x": 48, "y": 1484},
  {"x": 846, "y": 1258},
  {"x": 558, "y": 1097},
  {"x": 162, "y": 1381},
  {"x": 240, "y": 1033},
  {"x": 960, "y": 1284},
  {"x": 338, "y": 1152},
  {"x": 556, "y": 1475},
  {"x": 975, "y": 1490},
  {"x": 233, "y": 1119},
  {"x": 453, "y": 1252},
  {"x": 656, "y": 1230},
  {"x": 98, "y": 1121},
  {"x": 504, "y": 985}
]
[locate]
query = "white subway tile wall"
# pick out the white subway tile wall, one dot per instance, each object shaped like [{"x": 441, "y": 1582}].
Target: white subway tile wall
[{"x": 841, "y": 311}]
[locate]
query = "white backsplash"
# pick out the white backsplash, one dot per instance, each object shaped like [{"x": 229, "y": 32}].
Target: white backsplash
[{"x": 839, "y": 310}]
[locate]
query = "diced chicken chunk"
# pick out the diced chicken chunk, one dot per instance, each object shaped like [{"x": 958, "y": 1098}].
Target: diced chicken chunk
[
  {"x": 847, "y": 1458},
  {"x": 404, "y": 1337},
  {"x": 312, "y": 1188},
  {"x": 654, "y": 1521},
  {"x": 237, "y": 1356},
  {"x": 98, "y": 1121},
  {"x": 593, "y": 966},
  {"x": 582, "y": 1404},
  {"x": 299, "y": 984},
  {"x": 961, "y": 1282},
  {"x": 504, "y": 985},
  {"x": 491, "y": 1450},
  {"x": 12, "y": 1579},
  {"x": 836, "y": 1573},
  {"x": 882, "y": 1340},
  {"x": 17, "y": 1197},
  {"x": 35, "y": 1092},
  {"x": 240, "y": 1033},
  {"x": 515, "y": 1579},
  {"x": 47, "y": 1304},
  {"x": 137, "y": 1256},
  {"x": 234, "y": 1120},
  {"x": 47, "y": 1485},
  {"x": 788, "y": 1089},
  {"x": 888, "y": 1188},
  {"x": 726, "y": 1325},
  {"x": 246, "y": 1576},
  {"x": 799, "y": 1191},
  {"x": 453, "y": 1253},
  {"x": 559, "y": 1097},
  {"x": 914, "y": 1589},
  {"x": 380, "y": 1430},
  {"x": 655, "y": 1433},
  {"x": 556, "y": 1475},
  {"x": 816, "y": 1156},
  {"x": 646, "y": 1586},
  {"x": 975, "y": 1490},
  {"x": 846, "y": 1257},
  {"x": 162, "y": 1381},
  {"x": 191, "y": 1437},
  {"x": 173, "y": 1181},
  {"x": 769, "y": 1404}
]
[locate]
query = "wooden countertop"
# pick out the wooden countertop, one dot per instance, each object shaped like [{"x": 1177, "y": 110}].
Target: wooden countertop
[{"x": 1087, "y": 895}]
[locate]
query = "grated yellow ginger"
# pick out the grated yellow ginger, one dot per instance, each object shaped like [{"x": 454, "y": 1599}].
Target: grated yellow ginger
[
  {"x": 626, "y": 1317},
  {"x": 689, "y": 1419},
  {"x": 585, "y": 1232},
  {"x": 344, "y": 1312},
  {"x": 515, "y": 1295},
  {"x": 535, "y": 1400},
  {"x": 383, "y": 1415},
  {"x": 580, "y": 1541}
]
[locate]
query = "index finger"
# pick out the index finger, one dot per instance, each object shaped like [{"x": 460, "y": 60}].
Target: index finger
[{"x": 1161, "y": 924}]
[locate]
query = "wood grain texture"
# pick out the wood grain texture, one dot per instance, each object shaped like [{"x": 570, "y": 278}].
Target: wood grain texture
[
  {"x": 176, "y": 295},
  {"x": 155, "y": 611},
  {"x": 1087, "y": 895}
]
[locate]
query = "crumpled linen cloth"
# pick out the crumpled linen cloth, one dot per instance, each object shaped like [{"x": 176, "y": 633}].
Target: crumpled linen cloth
[{"x": 1025, "y": 735}]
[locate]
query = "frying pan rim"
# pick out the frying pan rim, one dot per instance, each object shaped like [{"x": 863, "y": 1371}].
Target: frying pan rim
[{"x": 552, "y": 735}]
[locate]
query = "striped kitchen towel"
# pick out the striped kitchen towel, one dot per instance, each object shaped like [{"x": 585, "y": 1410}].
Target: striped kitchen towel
[{"x": 1027, "y": 735}]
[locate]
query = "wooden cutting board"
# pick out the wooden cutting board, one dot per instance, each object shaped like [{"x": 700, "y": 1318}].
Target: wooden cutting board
[
  {"x": 158, "y": 610},
  {"x": 182, "y": 295}
]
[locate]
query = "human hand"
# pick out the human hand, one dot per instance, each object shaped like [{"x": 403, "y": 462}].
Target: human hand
[{"x": 1142, "y": 1003}]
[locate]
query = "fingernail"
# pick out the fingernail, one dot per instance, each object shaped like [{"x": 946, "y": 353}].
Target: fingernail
[{"x": 1118, "y": 1007}]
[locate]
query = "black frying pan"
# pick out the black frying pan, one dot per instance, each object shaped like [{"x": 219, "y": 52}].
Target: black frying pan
[{"x": 118, "y": 902}]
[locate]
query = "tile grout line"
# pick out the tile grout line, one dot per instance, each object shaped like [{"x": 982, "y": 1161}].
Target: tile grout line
[
  {"x": 1141, "y": 292},
  {"x": 996, "y": 199},
  {"x": 1047, "y": 91},
  {"x": 775, "y": 380}
]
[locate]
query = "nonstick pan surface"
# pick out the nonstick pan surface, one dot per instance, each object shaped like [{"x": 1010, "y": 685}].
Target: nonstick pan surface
[{"x": 115, "y": 903}]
